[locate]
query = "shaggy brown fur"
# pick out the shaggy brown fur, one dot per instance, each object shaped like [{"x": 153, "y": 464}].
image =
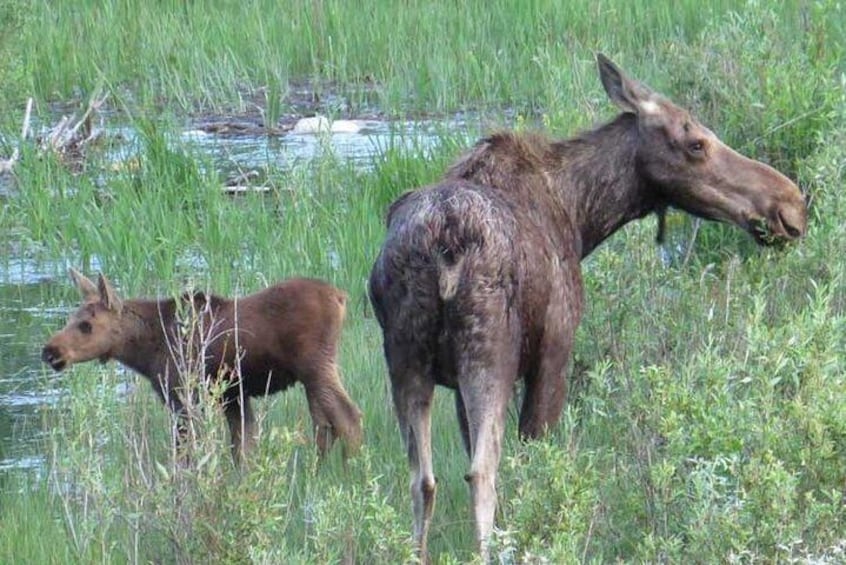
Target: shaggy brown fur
[
  {"x": 262, "y": 343},
  {"x": 478, "y": 282}
]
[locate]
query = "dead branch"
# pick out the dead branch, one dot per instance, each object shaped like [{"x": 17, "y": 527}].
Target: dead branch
[
  {"x": 69, "y": 138},
  {"x": 6, "y": 165}
]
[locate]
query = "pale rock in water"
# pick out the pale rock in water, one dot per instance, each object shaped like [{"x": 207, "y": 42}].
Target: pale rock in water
[{"x": 322, "y": 124}]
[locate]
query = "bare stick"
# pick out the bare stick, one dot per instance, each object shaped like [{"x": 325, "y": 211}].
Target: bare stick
[{"x": 27, "y": 115}]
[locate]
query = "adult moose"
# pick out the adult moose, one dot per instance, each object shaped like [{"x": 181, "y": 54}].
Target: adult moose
[
  {"x": 478, "y": 281},
  {"x": 262, "y": 343}
]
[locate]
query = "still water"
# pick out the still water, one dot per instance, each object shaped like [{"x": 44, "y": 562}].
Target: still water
[{"x": 26, "y": 315}]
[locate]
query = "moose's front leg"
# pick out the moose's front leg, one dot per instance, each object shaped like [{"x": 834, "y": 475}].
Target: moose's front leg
[
  {"x": 239, "y": 416},
  {"x": 179, "y": 413}
]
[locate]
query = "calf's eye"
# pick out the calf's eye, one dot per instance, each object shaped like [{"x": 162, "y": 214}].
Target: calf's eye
[{"x": 85, "y": 327}]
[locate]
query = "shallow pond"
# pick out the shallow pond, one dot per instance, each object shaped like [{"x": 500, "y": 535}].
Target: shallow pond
[{"x": 26, "y": 316}]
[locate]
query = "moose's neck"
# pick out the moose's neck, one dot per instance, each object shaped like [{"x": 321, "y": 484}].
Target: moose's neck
[
  {"x": 148, "y": 329},
  {"x": 598, "y": 182}
]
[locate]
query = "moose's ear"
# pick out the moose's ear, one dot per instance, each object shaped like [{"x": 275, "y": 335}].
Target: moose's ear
[
  {"x": 86, "y": 287},
  {"x": 628, "y": 94},
  {"x": 108, "y": 296}
]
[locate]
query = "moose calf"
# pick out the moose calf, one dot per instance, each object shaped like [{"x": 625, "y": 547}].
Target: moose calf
[{"x": 261, "y": 343}]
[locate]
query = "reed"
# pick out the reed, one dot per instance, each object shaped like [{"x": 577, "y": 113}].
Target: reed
[{"x": 411, "y": 56}]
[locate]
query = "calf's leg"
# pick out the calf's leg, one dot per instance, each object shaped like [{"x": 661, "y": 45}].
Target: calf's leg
[
  {"x": 333, "y": 413},
  {"x": 241, "y": 421},
  {"x": 180, "y": 417},
  {"x": 324, "y": 435}
]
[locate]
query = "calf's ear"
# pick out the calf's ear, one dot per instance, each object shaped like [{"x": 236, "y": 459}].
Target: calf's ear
[
  {"x": 108, "y": 296},
  {"x": 86, "y": 287}
]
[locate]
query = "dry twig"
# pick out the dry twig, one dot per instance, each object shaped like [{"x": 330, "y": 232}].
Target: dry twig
[
  {"x": 67, "y": 139},
  {"x": 6, "y": 165}
]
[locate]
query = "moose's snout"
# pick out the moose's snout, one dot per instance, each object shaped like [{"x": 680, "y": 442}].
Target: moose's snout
[
  {"x": 780, "y": 211},
  {"x": 793, "y": 220},
  {"x": 783, "y": 223},
  {"x": 53, "y": 357},
  {"x": 788, "y": 218}
]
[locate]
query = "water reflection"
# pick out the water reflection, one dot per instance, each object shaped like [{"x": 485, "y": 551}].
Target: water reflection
[
  {"x": 236, "y": 149},
  {"x": 25, "y": 388}
]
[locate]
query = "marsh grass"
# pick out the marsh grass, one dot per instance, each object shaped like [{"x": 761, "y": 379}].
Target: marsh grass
[
  {"x": 398, "y": 57},
  {"x": 706, "y": 417}
]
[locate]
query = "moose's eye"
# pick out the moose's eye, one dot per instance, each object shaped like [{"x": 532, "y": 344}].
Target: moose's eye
[
  {"x": 696, "y": 147},
  {"x": 85, "y": 327}
]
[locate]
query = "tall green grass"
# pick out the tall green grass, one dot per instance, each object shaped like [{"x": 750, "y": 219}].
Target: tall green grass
[
  {"x": 706, "y": 420},
  {"x": 411, "y": 56}
]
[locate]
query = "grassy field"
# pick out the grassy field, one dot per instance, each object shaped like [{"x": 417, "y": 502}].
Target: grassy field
[{"x": 707, "y": 421}]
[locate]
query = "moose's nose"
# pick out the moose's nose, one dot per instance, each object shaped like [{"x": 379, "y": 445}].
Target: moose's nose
[
  {"x": 53, "y": 357},
  {"x": 793, "y": 220}
]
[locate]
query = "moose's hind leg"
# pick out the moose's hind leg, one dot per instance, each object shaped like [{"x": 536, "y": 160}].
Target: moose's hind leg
[
  {"x": 413, "y": 389},
  {"x": 486, "y": 407},
  {"x": 324, "y": 434},
  {"x": 487, "y": 354},
  {"x": 334, "y": 414},
  {"x": 463, "y": 426}
]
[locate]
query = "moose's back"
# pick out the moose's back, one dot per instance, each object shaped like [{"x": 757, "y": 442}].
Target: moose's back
[{"x": 289, "y": 329}]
